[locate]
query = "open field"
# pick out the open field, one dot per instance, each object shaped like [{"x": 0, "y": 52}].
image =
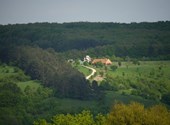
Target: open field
[
  {"x": 83, "y": 70},
  {"x": 33, "y": 84},
  {"x": 145, "y": 68},
  {"x": 153, "y": 71},
  {"x": 16, "y": 75}
]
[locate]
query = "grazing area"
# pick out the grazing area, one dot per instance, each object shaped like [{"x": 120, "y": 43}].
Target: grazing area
[{"x": 82, "y": 69}]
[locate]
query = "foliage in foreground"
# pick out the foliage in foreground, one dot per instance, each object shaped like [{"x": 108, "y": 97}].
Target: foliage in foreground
[{"x": 121, "y": 114}]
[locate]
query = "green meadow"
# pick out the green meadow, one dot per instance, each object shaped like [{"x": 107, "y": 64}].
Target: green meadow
[
  {"x": 32, "y": 83},
  {"x": 83, "y": 70},
  {"x": 145, "y": 68},
  {"x": 148, "y": 80},
  {"x": 16, "y": 75},
  {"x": 155, "y": 72}
]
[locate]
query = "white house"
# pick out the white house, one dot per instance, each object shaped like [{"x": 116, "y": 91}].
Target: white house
[{"x": 87, "y": 59}]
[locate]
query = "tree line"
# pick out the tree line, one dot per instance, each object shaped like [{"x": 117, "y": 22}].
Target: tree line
[{"x": 134, "y": 40}]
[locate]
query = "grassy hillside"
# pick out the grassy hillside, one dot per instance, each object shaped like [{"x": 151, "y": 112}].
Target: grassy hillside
[
  {"x": 83, "y": 70},
  {"x": 145, "y": 68},
  {"x": 16, "y": 75},
  {"x": 12, "y": 74},
  {"x": 32, "y": 83},
  {"x": 149, "y": 70},
  {"x": 148, "y": 80}
]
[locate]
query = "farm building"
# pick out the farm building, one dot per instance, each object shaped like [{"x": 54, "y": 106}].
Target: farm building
[
  {"x": 103, "y": 61},
  {"x": 87, "y": 59}
]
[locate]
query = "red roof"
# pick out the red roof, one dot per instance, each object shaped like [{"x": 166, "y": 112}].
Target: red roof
[{"x": 104, "y": 61}]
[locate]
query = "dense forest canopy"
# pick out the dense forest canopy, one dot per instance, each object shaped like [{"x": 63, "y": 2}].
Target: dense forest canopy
[{"x": 134, "y": 40}]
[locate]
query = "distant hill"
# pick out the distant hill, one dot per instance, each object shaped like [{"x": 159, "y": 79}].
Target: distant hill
[{"x": 134, "y": 40}]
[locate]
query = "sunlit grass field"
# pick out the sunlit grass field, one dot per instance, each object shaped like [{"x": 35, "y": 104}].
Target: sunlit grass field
[
  {"x": 145, "y": 68},
  {"x": 151, "y": 70},
  {"x": 16, "y": 75},
  {"x": 83, "y": 70}
]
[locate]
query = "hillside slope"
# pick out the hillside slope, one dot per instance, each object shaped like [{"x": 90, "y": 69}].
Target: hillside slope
[{"x": 134, "y": 40}]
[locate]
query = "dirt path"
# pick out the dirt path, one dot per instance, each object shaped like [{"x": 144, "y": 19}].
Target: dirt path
[{"x": 93, "y": 72}]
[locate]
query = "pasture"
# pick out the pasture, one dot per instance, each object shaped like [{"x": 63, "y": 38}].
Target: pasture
[
  {"x": 83, "y": 70},
  {"x": 145, "y": 68},
  {"x": 154, "y": 71}
]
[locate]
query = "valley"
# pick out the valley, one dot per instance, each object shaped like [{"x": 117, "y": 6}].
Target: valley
[{"x": 50, "y": 73}]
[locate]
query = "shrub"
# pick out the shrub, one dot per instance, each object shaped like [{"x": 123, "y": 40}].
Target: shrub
[
  {"x": 113, "y": 67},
  {"x": 119, "y": 63},
  {"x": 136, "y": 62}
]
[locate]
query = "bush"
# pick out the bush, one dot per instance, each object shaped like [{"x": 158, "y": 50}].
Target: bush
[
  {"x": 119, "y": 63},
  {"x": 136, "y": 62},
  {"x": 99, "y": 65},
  {"x": 104, "y": 85},
  {"x": 166, "y": 98},
  {"x": 113, "y": 68}
]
